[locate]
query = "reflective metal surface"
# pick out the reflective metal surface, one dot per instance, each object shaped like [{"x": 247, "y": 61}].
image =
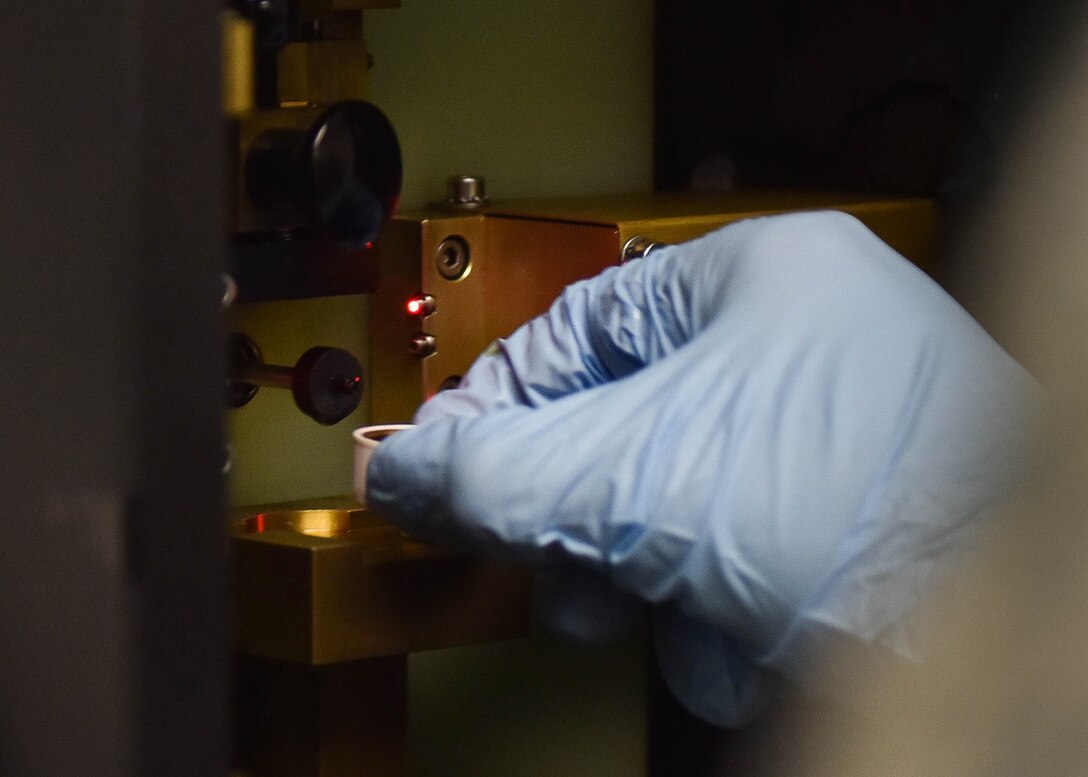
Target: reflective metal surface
[
  {"x": 323, "y": 581},
  {"x": 523, "y": 254},
  {"x": 637, "y": 247},
  {"x": 238, "y": 65},
  {"x": 466, "y": 192},
  {"x": 453, "y": 258},
  {"x": 314, "y": 523}
]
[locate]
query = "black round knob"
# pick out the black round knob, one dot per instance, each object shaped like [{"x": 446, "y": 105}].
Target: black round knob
[
  {"x": 343, "y": 172},
  {"x": 327, "y": 384}
]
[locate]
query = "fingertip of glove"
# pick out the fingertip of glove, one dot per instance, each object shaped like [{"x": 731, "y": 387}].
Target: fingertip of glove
[
  {"x": 402, "y": 477},
  {"x": 423, "y": 477}
]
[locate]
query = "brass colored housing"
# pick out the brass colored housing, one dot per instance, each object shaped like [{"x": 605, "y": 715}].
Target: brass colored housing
[
  {"x": 238, "y": 70},
  {"x": 329, "y": 598},
  {"x": 328, "y": 602},
  {"x": 324, "y": 582},
  {"x": 323, "y": 71},
  {"x": 523, "y": 254}
]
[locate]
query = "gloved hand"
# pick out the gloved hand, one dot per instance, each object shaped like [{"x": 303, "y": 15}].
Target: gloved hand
[{"x": 780, "y": 434}]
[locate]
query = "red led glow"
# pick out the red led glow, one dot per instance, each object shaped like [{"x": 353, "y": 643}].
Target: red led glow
[{"x": 421, "y": 305}]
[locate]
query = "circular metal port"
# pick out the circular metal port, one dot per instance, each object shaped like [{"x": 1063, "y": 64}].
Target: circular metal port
[{"x": 453, "y": 259}]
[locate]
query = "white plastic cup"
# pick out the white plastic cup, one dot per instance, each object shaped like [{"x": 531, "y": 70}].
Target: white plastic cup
[{"x": 366, "y": 441}]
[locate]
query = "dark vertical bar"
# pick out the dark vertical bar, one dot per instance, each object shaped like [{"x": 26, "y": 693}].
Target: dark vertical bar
[
  {"x": 66, "y": 416},
  {"x": 112, "y": 646},
  {"x": 181, "y": 525}
]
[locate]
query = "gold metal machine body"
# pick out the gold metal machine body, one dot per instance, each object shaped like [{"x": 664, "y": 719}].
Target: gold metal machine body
[
  {"x": 329, "y": 603},
  {"x": 329, "y": 600},
  {"x": 490, "y": 271}
]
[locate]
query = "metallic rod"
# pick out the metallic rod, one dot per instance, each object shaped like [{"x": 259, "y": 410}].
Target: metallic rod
[{"x": 266, "y": 375}]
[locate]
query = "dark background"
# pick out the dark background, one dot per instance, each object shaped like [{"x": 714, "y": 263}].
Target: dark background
[
  {"x": 896, "y": 96},
  {"x": 905, "y": 97}
]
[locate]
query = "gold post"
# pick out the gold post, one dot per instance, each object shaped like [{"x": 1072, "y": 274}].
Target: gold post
[{"x": 238, "y": 65}]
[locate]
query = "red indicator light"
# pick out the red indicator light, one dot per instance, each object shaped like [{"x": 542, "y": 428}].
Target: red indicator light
[{"x": 421, "y": 305}]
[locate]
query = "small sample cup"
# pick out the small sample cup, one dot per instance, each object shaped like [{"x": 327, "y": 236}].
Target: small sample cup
[{"x": 366, "y": 440}]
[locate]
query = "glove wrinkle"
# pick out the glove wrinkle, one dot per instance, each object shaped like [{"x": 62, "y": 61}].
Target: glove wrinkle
[
  {"x": 782, "y": 434},
  {"x": 860, "y": 534}
]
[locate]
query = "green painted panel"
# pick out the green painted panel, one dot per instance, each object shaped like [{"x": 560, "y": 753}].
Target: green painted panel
[
  {"x": 528, "y": 708},
  {"x": 280, "y": 454},
  {"x": 542, "y": 97}
]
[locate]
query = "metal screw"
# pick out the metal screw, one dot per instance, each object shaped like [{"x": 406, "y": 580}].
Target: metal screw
[
  {"x": 452, "y": 258},
  {"x": 466, "y": 192}
]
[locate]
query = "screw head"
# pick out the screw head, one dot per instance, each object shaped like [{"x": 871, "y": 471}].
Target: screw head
[
  {"x": 466, "y": 192},
  {"x": 453, "y": 258}
]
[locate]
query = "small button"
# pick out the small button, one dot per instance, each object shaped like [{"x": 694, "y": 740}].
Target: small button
[
  {"x": 422, "y": 345},
  {"x": 421, "y": 305}
]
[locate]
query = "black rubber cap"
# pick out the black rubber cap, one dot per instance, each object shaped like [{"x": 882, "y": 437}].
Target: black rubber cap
[{"x": 327, "y": 384}]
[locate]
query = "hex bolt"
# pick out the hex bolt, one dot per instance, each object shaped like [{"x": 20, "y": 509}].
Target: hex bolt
[{"x": 466, "y": 192}]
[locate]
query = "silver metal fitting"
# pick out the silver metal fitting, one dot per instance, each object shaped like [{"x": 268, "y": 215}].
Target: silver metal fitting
[
  {"x": 637, "y": 247},
  {"x": 453, "y": 258},
  {"x": 422, "y": 345},
  {"x": 466, "y": 192}
]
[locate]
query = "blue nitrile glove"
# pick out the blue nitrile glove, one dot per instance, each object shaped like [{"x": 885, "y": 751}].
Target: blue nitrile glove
[{"x": 780, "y": 433}]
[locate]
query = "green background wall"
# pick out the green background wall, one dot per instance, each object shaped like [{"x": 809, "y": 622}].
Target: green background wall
[{"x": 542, "y": 97}]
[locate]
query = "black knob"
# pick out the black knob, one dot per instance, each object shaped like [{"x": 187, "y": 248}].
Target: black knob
[
  {"x": 343, "y": 173},
  {"x": 327, "y": 384}
]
